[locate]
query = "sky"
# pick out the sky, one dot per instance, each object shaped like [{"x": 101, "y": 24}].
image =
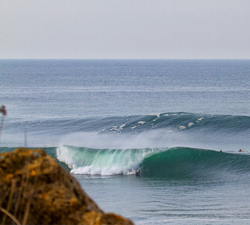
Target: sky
[{"x": 124, "y": 29}]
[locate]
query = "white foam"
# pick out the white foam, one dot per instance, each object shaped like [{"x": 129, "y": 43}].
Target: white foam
[
  {"x": 105, "y": 162},
  {"x": 190, "y": 124},
  {"x": 155, "y": 114},
  {"x": 141, "y": 122},
  {"x": 123, "y": 125},
  {"x": 200, "y": 119},
  {"x": 105, "y": 171},
  {"x": 182, "y": 127},
  {"x": 114, "y": 128}
]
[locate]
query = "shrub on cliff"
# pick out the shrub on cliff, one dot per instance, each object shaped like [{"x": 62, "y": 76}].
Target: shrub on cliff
[{"x": 34, "y": 189}]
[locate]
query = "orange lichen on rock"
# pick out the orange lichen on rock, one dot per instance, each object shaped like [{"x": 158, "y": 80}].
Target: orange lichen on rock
[
  {"x": 36, "y": 190},
  {"x": 95, "y": 218}
]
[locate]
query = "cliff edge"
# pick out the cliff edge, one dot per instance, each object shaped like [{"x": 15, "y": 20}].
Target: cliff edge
[{"x": 34, "y": 189}]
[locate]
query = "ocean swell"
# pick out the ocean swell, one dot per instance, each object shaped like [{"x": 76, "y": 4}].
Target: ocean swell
[{"x": 179, "y": 121}]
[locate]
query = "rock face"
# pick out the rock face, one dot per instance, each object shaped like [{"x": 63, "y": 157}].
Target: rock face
[{"x": 34, "y": 189}]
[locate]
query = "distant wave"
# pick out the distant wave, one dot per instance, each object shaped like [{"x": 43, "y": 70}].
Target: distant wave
[
  {"x": 157, "y": 162},
  {"x": 179, "y": 121}
]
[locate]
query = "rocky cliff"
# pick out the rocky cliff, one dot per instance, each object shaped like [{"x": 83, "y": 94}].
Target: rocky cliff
[{"x": 34, "y": 189}]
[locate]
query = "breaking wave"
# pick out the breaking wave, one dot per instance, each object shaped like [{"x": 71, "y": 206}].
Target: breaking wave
[{"x": 157, "y": 162}]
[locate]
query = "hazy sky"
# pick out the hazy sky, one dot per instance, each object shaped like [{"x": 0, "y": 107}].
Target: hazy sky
[{"x": 125, "y": 29}]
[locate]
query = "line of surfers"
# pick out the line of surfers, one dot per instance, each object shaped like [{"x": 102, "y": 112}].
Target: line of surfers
[{"x": 238, "y": 151}]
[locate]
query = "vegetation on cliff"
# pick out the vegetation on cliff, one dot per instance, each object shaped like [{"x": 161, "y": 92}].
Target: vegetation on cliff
[{"x": 34, "y": 189}]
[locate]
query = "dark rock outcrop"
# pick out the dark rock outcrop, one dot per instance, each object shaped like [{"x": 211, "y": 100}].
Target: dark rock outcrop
[{"x": 34, "y": 189}]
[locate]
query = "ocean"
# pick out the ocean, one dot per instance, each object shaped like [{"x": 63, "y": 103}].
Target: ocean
[{"x": 180, "y": 122}]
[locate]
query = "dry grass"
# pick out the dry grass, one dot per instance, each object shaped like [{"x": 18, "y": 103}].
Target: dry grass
[
  {"x": 14, "y": 195},
  {"x": 34, "y": 189},
  {"x": 16, "y": 192}
]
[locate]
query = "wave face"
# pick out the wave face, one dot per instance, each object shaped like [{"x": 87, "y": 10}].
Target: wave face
[
  {"x": 178, "y": 121},
  {"x": 140, "y": 123},
  {"x": 178, "y": 162},
  {"x": 190, "y": 162}
]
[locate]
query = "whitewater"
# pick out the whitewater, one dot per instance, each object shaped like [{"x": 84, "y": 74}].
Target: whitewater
[{"x": 180, "y": 122}]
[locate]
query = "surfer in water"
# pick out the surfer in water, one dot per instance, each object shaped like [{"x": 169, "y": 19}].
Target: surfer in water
[
  {"x": 138, "y": 172},
  {"x": 240, "y": 150}
]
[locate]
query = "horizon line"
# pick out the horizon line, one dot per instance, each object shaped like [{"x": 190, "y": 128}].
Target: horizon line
[{"x": 120, "y": 59}]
